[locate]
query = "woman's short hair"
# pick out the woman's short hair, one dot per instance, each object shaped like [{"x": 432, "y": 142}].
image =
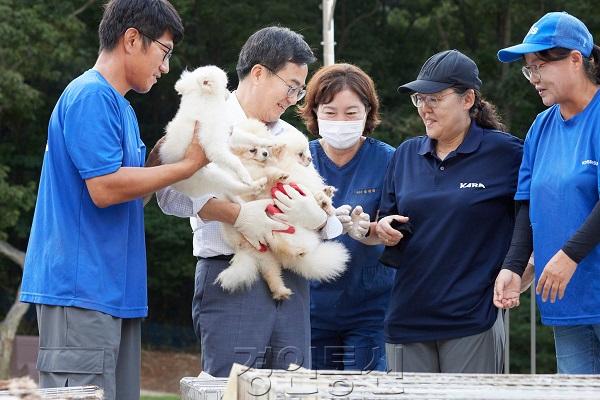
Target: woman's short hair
[{"x": 329, "y": 81}]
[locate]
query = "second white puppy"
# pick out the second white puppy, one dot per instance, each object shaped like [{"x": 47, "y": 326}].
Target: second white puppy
[
  {"x": 203, "y": 98},
  {"x": 302, "y": 251}
]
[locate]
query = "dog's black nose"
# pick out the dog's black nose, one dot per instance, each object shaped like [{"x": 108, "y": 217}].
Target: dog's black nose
[{"x": 265, "y": 153}]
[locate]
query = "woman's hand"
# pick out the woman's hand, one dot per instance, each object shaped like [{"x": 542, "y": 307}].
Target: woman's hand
[
  {"x": 360, "y": 224},
  {"x": 556, "y": 276},
  {"x": 388, "y": 235},
  {"x": 343, "y": 215},
  {"x": 507, "y": 289}
]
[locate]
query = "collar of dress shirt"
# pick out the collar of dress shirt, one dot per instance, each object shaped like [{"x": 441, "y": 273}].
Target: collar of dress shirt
[{"x": 238, "y": 114}]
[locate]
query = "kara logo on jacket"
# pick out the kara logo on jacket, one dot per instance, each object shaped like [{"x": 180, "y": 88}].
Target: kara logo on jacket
[{"x": 471, "y": 185}]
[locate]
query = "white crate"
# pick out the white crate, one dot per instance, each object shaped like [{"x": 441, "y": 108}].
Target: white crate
[
  {"x": 202, "y": 388},
  {"x": 253, "y": 384},
  {"x": 68, "y": 393}
]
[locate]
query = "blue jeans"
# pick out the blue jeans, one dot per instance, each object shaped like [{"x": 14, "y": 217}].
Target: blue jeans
[
  {"x": 356, "y": 349},
  {"x": 577, "y": 349}
]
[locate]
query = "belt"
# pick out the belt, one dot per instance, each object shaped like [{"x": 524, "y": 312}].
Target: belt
[{"x": 220, "y": 257}]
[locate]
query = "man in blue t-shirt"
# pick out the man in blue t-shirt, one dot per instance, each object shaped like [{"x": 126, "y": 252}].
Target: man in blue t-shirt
[{"x": 85, "y": 267}]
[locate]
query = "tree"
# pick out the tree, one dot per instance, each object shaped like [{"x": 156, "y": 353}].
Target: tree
[
  {"x": 10, "y": 323},
  {"x": 14, "y": 199}
]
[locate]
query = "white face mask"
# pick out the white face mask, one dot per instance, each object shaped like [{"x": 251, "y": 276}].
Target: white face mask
[{"x": 341, "y": 134}]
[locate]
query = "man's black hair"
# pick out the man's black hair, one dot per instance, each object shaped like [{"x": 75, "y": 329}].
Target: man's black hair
[
  {"x": 273, "y": 47},
  {"x": 151, "y": 17}
]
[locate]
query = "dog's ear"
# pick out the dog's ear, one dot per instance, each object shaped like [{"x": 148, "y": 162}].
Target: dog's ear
[
  {"x": 278, "y": 149},
  {"x": 206, "y": 85}
]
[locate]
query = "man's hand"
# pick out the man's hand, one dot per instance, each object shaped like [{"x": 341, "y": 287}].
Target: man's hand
[
  {"x": 556, "y": 276},
  {"x": 343, "y": 215},
  {"x": 360, "y": 224},
  {"x": 388, "y": 235},
  {"x": 507, "y": 289},
  {"x": 298, "y": 209},
  {"x": 255, "y": 225}
]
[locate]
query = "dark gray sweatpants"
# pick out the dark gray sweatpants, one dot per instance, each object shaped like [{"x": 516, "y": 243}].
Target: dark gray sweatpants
[
  {"x": 482, "y": 353},
  {"x": 80, "y": 347}
]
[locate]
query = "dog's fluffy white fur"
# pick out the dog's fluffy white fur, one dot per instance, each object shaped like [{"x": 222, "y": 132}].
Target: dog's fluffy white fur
[
  {"x": 203, "y": 95},
  {"x": 288, "y": 160}
]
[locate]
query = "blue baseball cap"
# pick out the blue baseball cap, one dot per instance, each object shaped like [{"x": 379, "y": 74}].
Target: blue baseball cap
[
  {"x": 443, "y": 70},
  {"x": 555, "y": 29}
]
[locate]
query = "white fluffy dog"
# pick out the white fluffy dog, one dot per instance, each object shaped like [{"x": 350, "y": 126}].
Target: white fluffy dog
[
  {"x": 203, "y": 95},
  {"x": 302, "y": 251}
]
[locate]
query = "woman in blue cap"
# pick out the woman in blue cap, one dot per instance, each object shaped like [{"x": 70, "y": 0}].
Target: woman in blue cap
[
  {"x": 455, "y": 187},
  {"x": 559, "y": 187}
]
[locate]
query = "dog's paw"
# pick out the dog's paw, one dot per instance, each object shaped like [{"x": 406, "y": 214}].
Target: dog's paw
[
  {"x": 283, "y": 177},
  {"x": 245, "y": 177},
  {"x": 324, "y": 201},
  {"x": 259, "y": 185},
  {"x": 329, "y": 191},
  {"x": 282, "y": 293}
]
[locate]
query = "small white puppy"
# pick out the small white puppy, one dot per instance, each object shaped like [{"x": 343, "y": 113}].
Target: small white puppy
[
  {"x": 203, "y": 98},
  {"x": 302, "y": 250},
  {"x": 297, "y": 161}
]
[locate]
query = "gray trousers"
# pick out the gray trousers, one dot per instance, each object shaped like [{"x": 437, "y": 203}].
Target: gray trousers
[
  {"x": 249, "y": 327},
  {"x": 482, "y": 353},
  {"x": 81, "y": 347}
]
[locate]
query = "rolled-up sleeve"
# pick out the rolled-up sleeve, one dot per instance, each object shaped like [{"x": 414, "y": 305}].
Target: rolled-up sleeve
[{"x": 172, "y": 202}]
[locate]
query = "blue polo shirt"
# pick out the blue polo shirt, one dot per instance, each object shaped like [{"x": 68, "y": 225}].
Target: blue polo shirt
[
  {"x": 559, "y": 176},
  {"x": 360, "y": 296},
  {"x": 462, "y": 214},
  {"x": 78, "y": 254}
]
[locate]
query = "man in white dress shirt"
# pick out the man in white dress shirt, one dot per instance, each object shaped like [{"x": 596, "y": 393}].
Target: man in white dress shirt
[{"x": 248, "y": 326}]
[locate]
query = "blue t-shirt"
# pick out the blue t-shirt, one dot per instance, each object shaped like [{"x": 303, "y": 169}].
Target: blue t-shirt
[
  {"x": 462, "y": 213},
  {"x": 78, "y": 254},
  {"x": 559, "y": 176},
  {"x": 360, "y": 296}
]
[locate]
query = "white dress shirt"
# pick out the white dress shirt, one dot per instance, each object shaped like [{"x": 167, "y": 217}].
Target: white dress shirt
[{"x": 208, "y": 237}]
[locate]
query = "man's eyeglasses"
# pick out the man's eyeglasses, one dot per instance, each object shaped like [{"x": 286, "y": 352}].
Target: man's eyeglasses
[
  {"x": 419, "y": 100},
  {"x": 530, "y": 71},
  {"x": 297, "y": 92},
  {"x": 168, "y": 52}
]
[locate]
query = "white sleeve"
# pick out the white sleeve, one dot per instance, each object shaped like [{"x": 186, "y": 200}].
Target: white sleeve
[
  {"x": 172, "y": 202},
  {"x": 332, "y": 229}
]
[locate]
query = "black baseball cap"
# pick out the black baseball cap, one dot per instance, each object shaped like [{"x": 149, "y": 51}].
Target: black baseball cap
[{"x": 443, "y": 70}]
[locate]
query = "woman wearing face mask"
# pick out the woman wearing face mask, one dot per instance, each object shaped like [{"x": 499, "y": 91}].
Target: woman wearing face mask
[
  {"x": 455, "y": 188},
  {"x": 347, "y": 315},
  {"x": 559, "y": 187}
]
